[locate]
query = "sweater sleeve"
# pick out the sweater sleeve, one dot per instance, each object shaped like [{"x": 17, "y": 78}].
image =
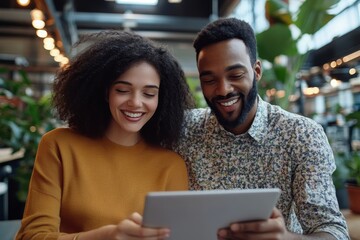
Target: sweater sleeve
[{"x": 41, "y": 216}]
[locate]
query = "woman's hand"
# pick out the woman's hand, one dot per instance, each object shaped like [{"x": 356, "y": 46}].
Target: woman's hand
[
  {"x": 127, "y": 229},
  {"x": 131, "y": 229}
]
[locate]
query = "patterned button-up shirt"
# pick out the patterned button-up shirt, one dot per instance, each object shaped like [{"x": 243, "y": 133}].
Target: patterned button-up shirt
[{"x": 282, "y": 150}]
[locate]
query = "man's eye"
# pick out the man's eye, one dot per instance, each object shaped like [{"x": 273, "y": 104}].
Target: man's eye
[
  {"x": 207, "y": 81},
  {"x": 237, "y": 76}
]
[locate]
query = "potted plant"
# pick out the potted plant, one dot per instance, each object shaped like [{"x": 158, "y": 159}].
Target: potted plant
[
  {"x": 339, "y": 178},
  {"x": 24, "y": 119},
  {"x": 353, "y": 181}
]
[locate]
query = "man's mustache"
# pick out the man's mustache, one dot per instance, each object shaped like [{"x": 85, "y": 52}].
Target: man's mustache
[{"x": 230, "y": 95}]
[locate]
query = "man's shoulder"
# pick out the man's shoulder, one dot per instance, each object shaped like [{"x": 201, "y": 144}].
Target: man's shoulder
[
  {"x": 197, "y": 112},
  {"x": 197, "y": 116},
  {"x": 278, "y": 115},
  {"x": 196, "y": 125}
]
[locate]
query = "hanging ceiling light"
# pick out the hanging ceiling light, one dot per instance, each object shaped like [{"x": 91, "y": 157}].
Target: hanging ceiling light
[{"x": 137, "y": 2}]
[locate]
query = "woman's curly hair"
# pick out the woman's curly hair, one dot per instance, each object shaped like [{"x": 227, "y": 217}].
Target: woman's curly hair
[{"x": 80, "y": 89}]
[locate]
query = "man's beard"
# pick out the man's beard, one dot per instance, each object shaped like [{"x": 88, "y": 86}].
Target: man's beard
[{"x": 248, "y": 103}]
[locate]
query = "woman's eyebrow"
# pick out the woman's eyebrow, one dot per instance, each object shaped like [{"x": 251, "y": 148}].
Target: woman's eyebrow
[
  {"x": 122, "y": 82},
  {"x": 151, "y": 86},
  {"x": 129, "y": 84}
]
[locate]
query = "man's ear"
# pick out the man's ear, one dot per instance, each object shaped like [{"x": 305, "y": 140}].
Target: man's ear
[{"x": 258, "y": 70}]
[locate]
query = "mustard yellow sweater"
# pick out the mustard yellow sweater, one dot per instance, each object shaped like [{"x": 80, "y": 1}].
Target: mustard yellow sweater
[{"x": 79, "y": 183}]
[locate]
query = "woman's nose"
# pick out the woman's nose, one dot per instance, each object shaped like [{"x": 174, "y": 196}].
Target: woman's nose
[{"x": 135, "y": 100}]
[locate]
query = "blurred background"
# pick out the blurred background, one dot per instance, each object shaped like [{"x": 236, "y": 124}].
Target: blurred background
[{"x": 310, "y": 51}]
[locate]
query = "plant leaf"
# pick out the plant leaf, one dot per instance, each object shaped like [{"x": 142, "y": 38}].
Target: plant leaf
[
  {"x": 312, "y": 15},
  {"x": 276, "y": 40},
  {"x": 277, "y": 11},
  {"x": 280, "y": 73}
]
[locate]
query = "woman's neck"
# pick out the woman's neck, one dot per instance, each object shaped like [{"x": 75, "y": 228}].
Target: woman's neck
[{"x": 121, "y": 137}]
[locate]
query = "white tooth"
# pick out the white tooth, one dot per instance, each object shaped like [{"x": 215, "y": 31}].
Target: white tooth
[
  {"x": 229, "y": 103},
  {"x": 133, "y": 115}
]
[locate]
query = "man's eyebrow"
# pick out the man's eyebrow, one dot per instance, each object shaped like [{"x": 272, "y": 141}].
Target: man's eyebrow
[
  {"x": 229, "y": 68},
  {"x": 204, "y": 73},
  {"x": 235, "y": 66}
]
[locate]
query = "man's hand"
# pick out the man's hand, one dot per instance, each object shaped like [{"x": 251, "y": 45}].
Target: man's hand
[{"x": 272, "y": 228}]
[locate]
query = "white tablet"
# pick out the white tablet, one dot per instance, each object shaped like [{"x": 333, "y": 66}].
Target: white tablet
[{"x": 199, "y": 214}]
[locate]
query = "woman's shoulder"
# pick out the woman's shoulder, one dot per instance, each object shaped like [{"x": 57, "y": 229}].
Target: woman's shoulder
[
  {"x": 63, "y": 134},
  {"x": 60, "y": 131}
]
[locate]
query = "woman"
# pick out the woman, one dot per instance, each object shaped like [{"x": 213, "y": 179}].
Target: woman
[{"x": 121, "y": 97}]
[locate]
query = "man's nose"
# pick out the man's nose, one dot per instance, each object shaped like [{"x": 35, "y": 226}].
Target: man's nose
[{"x": 224, "y": 87}]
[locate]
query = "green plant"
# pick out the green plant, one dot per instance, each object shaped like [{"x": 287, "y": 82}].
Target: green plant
[
  {"x": 24, "y": 119},
  {"x": 194, "y": 85},
  {"x": 353, "y": 166},
  {"x": 342, "y": 172},
  {"x": 279, "y": 46},
  {"x": 347, "y": 169},
  {"x": 354, "y": 118}
]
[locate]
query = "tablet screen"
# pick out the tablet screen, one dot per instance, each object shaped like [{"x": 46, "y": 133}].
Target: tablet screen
[{"x": 199, "y": 214}]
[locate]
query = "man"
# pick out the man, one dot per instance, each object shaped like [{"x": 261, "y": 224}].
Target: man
[{"x": 243, "y": 142}]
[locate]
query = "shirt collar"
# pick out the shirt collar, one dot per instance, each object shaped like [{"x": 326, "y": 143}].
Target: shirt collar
[{"x": 258, "y": 128}]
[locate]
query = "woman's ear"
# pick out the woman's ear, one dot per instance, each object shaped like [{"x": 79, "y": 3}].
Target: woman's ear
[{"x": 107, "y": 95}]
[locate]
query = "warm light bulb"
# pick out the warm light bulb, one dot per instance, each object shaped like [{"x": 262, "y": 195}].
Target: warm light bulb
[
  {"x": 335, "y": 83},
  {"x": 49, "y": 46},
  {"x": 352, "y": 71},
  {"x": 65, "y": 60},
  {"x": 333, "y": 64},
  {"x": 41, "y": 33},
  {"x": 38, "y": 24},
  {"x": 59, "y": 58},
  {"x": 326, "y": 66},
  {"x": 37, "y": 14},
  {"x": 23, "y": 3},
  {"x": 49, "y": 40},
  {"x": 54, "y": 52}
]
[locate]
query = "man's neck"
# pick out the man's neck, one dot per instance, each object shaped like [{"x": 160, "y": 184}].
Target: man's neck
[{"x": 245, "y": 126}]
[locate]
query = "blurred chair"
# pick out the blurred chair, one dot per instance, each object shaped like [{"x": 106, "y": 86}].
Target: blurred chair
[
  {"x": 9, "y": 228},
  {"x": 5, "y": 172}
]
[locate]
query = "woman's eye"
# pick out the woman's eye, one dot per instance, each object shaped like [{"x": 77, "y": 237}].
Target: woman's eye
[
  {"x": 121, "y": 91},
  {"x": 150, "y": 94}
]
